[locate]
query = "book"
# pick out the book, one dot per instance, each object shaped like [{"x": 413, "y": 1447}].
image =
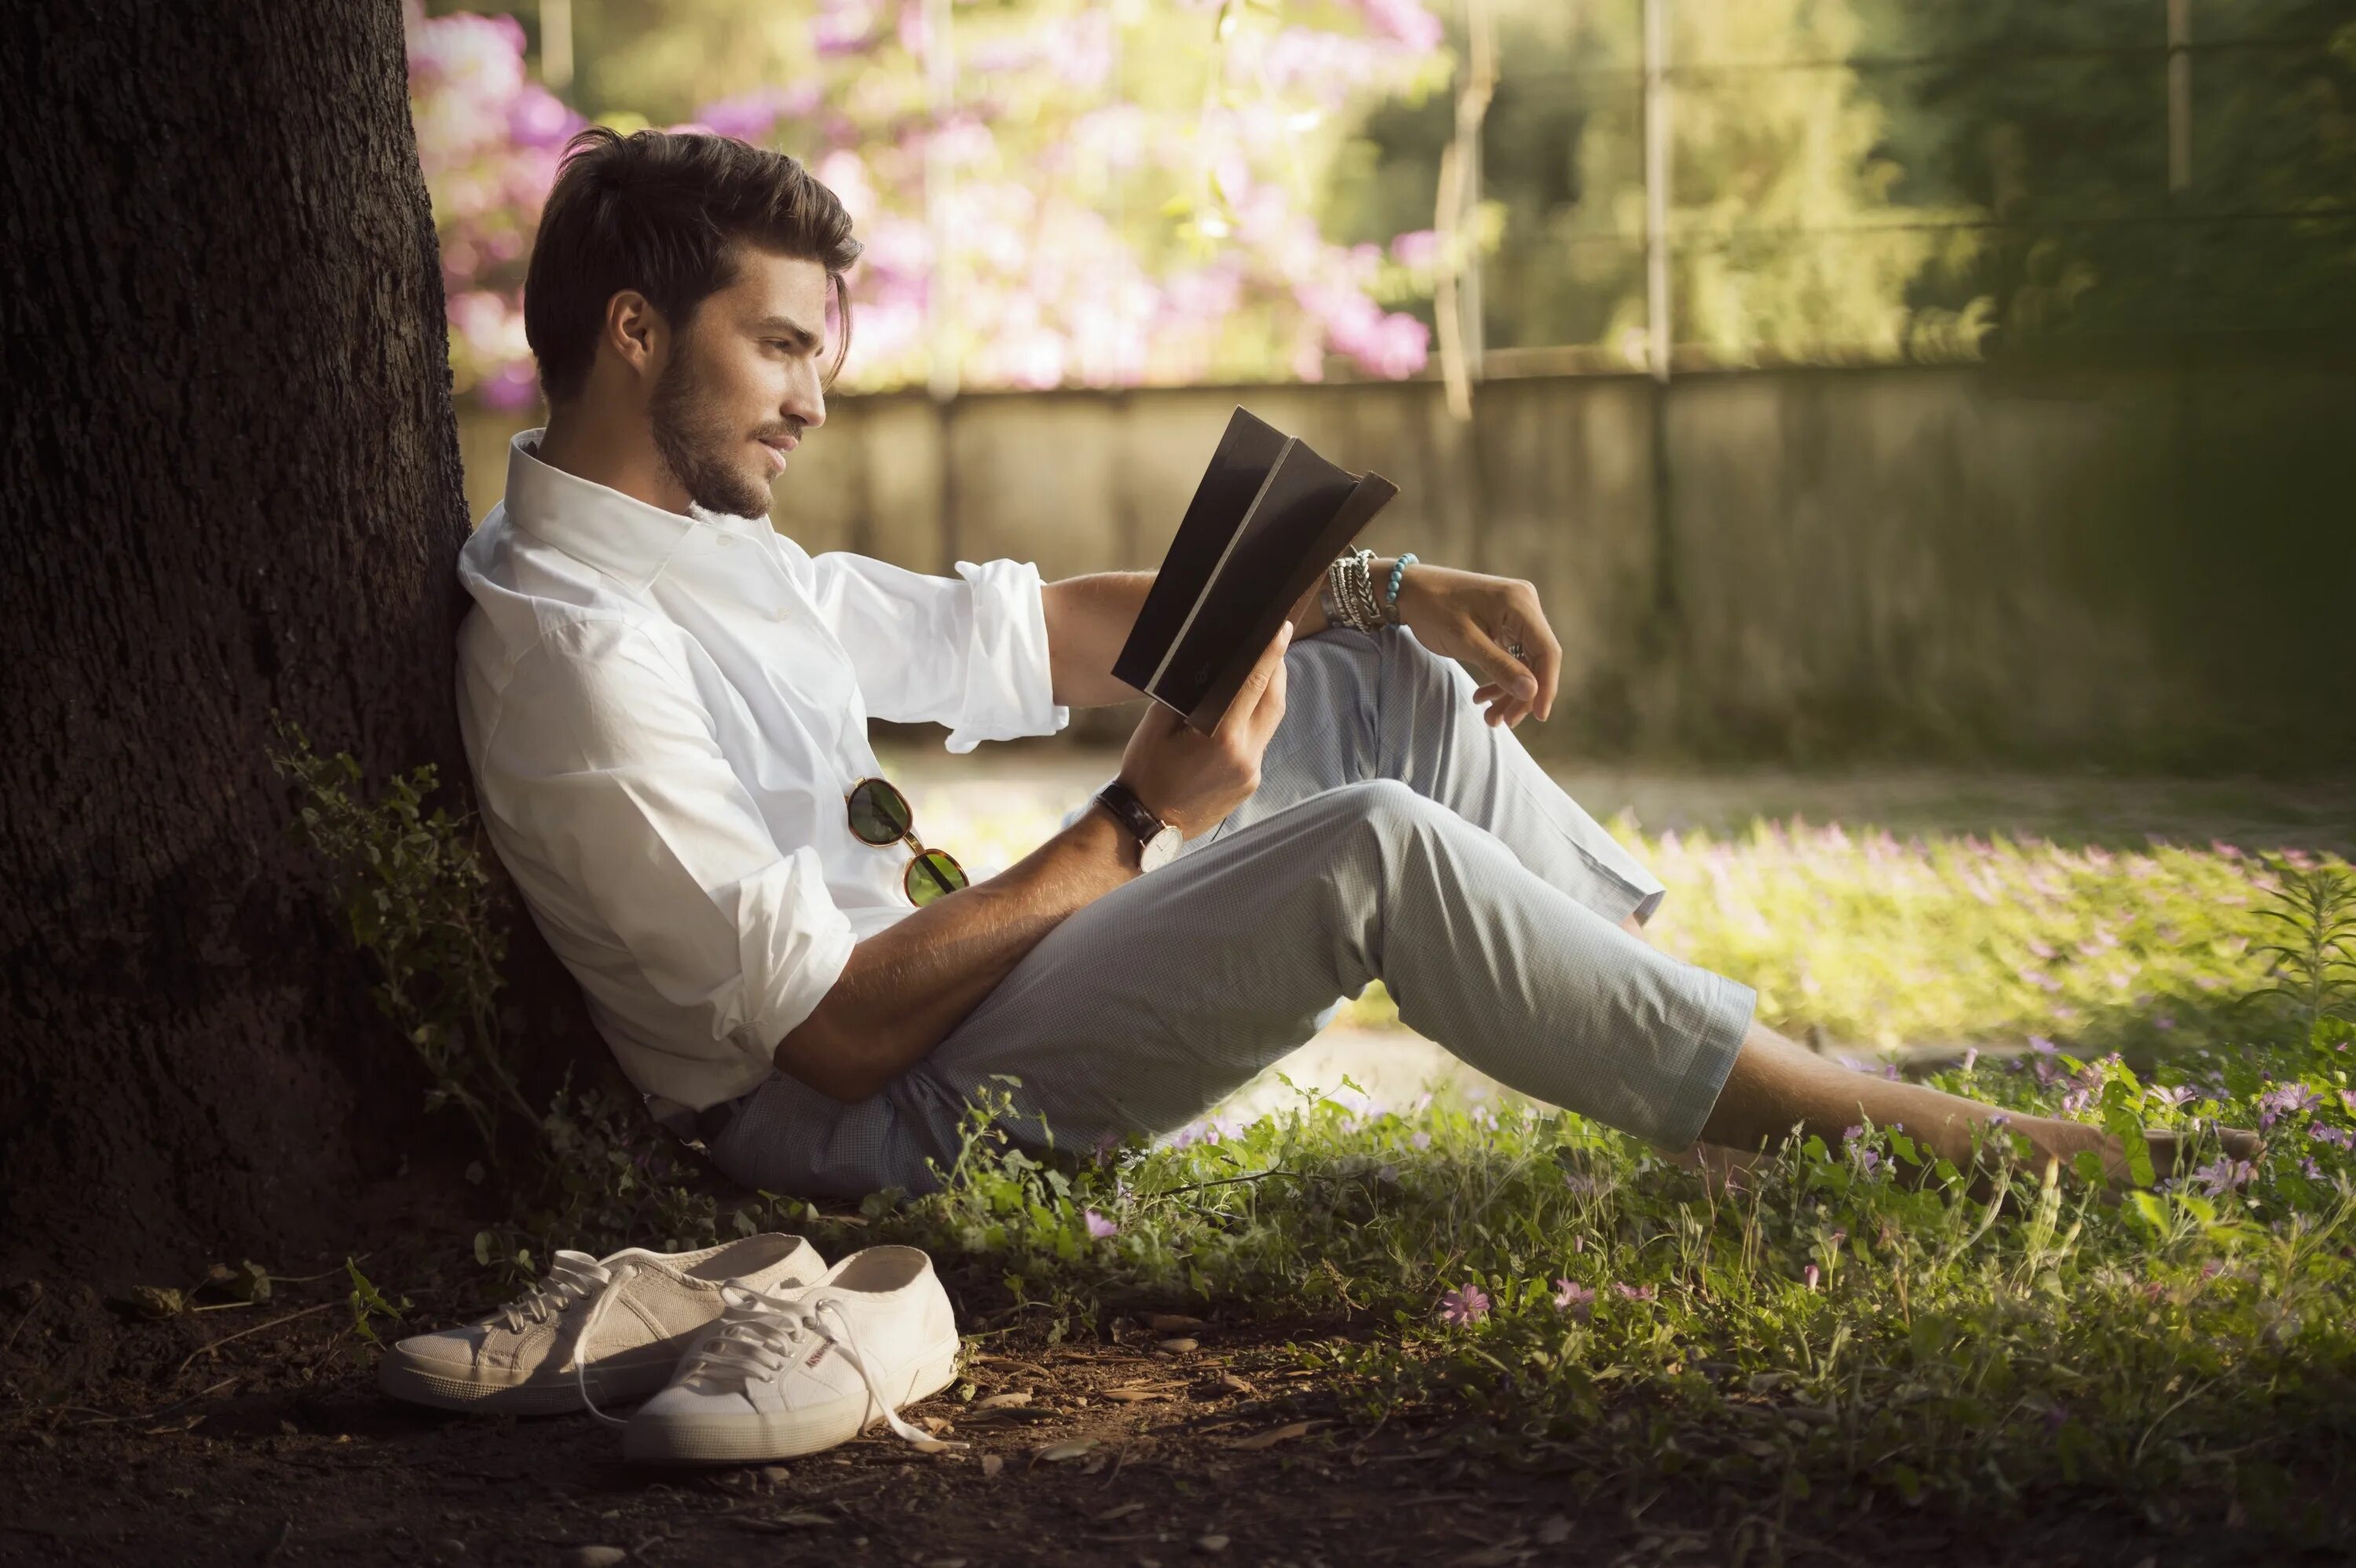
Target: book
[{"x": 1268, "y": 517}]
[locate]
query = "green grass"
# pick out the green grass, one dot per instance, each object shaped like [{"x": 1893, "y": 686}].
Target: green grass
[
  {"x": 1954, "y": 939},
  {"x": 1826, "y": 1338},
  {"x": 1821, "y": 1335}
]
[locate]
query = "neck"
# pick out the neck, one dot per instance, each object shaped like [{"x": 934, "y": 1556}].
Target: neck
[{"x": 616, "y": 452}]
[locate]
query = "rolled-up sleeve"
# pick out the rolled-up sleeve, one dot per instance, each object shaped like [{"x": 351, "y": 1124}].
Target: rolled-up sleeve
[
  {"x": 603, "y": 775},
  {"x": 968, "y": 651}
]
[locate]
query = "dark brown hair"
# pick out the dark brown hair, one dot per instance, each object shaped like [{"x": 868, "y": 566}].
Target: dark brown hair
[{"x": 656, "y": 211}]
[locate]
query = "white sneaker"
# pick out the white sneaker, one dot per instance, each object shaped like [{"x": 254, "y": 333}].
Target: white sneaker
[
  {"x": 610, "y": 1328},
  {"x": 782, "y": 1374}
]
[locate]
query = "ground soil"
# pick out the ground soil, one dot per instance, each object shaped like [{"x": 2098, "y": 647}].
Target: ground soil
[{"x": 254, "y": 1434}]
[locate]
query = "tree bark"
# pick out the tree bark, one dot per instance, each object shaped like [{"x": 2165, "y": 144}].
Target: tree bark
[{"x": 230, "y": 485}]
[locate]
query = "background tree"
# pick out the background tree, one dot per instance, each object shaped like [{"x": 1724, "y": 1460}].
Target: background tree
[{"x": 231, "y": 486}]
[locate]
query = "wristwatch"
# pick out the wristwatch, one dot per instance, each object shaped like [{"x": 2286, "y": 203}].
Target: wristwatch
[{"x": 1157, "y": 841}]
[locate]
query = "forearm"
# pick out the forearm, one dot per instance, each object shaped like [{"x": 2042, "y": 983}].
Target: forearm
[
  {"x": 908, "y": 986},
  {"x": 1088, "y": 619}
]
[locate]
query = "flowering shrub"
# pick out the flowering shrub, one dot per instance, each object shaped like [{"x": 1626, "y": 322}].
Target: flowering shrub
[{"x": 1126, "y": 191}]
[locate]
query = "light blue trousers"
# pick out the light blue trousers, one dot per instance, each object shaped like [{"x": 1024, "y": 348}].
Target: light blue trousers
[{"x": 1395, "y": 835}]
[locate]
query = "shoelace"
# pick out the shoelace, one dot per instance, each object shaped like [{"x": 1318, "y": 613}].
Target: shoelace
[
  {"x": 571, "y": 1278},
  {"x": 759, "y": 1335}
]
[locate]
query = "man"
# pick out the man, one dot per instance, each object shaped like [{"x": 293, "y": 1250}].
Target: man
[{"x": 665, "y": 705}]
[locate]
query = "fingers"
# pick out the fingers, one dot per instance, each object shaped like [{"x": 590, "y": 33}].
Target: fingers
[
  {"x": 1513, "y": 683},
  {"x": 1265, "y": 677}
]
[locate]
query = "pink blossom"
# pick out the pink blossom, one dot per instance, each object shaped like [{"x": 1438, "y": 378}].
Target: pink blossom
[
  {"x": 1810, "y": 1274},
  {"x": 1467, "y": 1304},
  {"x": 1100, "y": 1228},
  {"x": 1417, "y": 247},
  {"x": 1573, "y": 1297},
  {"x": 1636, "y": 1291},
  {"x": 1971, "y": 1056}
]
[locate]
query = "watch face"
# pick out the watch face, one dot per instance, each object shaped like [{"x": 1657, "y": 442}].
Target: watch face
[{"x": 1160, "y": 850}]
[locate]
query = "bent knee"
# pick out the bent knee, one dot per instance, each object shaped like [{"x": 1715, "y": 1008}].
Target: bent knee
[{"x": 1389, "y": 809}]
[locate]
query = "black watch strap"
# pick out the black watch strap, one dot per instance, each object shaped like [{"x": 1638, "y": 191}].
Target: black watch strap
[{"x": 1134, "y": 813}]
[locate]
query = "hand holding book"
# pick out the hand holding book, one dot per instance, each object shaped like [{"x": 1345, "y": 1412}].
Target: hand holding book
[{"x": 1267, "y": 516}]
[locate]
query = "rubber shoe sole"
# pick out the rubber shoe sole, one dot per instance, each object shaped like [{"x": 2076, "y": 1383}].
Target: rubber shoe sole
[
  {"x": 423, "y": 1382},
  {"x": 784, "y": 1434}
]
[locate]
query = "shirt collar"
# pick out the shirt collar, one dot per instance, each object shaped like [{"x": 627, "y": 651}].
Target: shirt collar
[{"x": 628, "y": 540}]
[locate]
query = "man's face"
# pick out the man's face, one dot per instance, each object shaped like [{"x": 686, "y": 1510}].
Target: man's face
[{"x": 740, "y": 384}]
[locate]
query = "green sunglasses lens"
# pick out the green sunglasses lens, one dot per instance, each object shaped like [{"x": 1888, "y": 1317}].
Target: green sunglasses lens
[
  {"x": 933, "y": 875},
  {"x": 879, "y": 813}
]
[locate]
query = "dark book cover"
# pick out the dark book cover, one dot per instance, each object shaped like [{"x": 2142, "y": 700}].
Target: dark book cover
[{"x": 1267, "y": 516}]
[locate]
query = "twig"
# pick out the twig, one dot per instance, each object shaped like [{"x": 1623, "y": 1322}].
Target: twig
[
  {"x": 1222, "y": 1181},
  {"x": 159, "y": 1410},
  {"x": 28, "y": 1318},
  {"x": 217, "y": 1344}
]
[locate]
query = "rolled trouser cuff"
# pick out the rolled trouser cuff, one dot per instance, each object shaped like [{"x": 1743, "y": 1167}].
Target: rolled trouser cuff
[{"x": 1722, "y": 1017}]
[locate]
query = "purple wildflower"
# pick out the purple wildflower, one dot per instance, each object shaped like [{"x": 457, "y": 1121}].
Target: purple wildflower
[
  {"x": 1420, "y": 1141},
  {"x": 1465, "y": 1306},
  {"x": 1637, "y": 1292},
  {"x": 2057, "y": 1416},
  {"x": 2176, "y": 1096},
  {"x": 1851, "y": 1134},
  {"x": 2285, "y": 1100},
  {"x": 1100, "y": 1228},
  {"x": 1810, "y": 1274},
  {"x": 1577, "y": 1299},
  {"x": 2223, "y": 1176},
  {"x": 2339, "y": 1137},
  {"x": 1971, "y": 1056},
  {"x": 2309, "y": 1169}
]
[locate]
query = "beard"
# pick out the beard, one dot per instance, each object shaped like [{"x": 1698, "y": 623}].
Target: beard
[{"x": 698, "y": 442}]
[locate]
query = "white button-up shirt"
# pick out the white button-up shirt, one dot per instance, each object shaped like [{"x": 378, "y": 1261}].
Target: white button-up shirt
[{"x": 664, "y": 716}]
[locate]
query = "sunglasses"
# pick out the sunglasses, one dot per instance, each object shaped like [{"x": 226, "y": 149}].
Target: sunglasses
[{"x": 880, "y": 816}]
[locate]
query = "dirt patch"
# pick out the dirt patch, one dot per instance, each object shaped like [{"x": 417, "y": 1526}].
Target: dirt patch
[{"x": 256, "y": 1436}]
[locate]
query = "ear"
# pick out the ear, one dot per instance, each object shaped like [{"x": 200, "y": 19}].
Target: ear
[{"x": 634, "y": 330}]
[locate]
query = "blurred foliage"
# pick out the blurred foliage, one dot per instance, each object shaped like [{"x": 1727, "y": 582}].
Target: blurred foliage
[
  {"x": 1123, "y": 195},
  {"x": 2054, "y": 122},
  {"x": 1176, "y": 191}
]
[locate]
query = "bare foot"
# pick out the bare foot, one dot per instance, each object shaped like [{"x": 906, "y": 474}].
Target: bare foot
[
  {"x": 2049, "y": 1139},
  {"x": 2171, "y": 1151}
]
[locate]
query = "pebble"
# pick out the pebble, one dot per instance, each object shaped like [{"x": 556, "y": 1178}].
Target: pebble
[
  {"x": 599, "y": 1557},
  {"x": 1212, "y": 1543},
  {"x": 1180, "y": 1347}
]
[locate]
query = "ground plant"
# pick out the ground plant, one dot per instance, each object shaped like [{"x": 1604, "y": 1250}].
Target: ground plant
[{"x": 1840, "y": 1327}]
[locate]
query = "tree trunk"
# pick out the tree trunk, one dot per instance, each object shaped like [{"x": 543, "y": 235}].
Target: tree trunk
[{"x": 230, "y": 485}]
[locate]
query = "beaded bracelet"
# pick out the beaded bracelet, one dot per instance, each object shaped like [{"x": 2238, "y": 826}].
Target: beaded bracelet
[{"x": 1390, "y": 594}]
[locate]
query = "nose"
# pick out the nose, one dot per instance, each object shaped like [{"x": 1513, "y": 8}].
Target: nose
[{"x": 806, "y": 399}]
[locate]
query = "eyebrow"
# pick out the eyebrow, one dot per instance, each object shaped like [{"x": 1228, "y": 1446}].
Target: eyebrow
[{"x": 787, "y": 327}]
